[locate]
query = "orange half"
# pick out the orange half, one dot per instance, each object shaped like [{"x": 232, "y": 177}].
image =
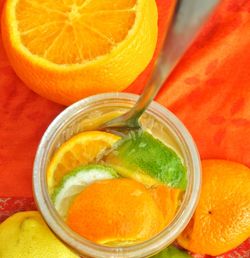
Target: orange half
[{"x": 67, "y": 50}]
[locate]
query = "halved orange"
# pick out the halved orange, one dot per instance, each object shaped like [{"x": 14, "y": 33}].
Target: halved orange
[
  {"x": 67, "y": 50},
  {"x": 81, "y": 149}
]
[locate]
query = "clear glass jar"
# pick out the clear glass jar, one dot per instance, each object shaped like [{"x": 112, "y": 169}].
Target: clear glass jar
[{"x": 85, "y": 115}]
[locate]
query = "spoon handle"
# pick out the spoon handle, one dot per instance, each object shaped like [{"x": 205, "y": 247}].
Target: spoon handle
[{"x": 187, "y": 21}]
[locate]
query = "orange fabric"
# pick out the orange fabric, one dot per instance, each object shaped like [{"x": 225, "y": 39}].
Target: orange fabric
[{"x": 209, "y": 91}]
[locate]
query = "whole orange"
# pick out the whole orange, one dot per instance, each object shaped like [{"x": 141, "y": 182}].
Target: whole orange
[{"x": 221, "y": 221}]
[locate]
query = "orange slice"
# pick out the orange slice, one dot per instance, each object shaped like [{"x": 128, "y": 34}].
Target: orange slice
[
  {"x": 168, "y": 200},
  {"x": 81, "y": 149},
  {"x": 221, "y": 221},
  {"x": 115, "y": 211},
  {"x": 66, "y": 50}
]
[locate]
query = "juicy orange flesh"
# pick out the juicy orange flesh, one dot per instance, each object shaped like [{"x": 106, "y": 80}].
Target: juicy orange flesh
[
  {"x": 167, "y": 200},
  {"x": 79, "y": 150},
  {"x": 73, "y": 31},
  {"x": 115, "y": 210},
  {"x": 79, "y": 156}
]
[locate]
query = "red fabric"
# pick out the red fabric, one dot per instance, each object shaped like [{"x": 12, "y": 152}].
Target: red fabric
[
  {"x": 209, "y": 91},
  {"x": 11, "y": 205},
  {"x": 242, "y": 251}
]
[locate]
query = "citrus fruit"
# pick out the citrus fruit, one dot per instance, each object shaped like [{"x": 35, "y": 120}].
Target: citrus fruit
[
  {"x": 221, "y": 221},
  {"x": 26, "y": 235},
  {"x": 67, "y": 50},
  {"x": 74, "y": 182},
  {"x": 167, "y": 199},
  {"x": 80, "y": 150},
  {"x": 146, "y": 159},
  {"x": 172, "y": 252},
  {"x": 115, "y": 211}
]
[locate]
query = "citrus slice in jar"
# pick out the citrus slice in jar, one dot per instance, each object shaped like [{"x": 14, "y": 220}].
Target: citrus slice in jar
[
  {"x": 80, "y": 150},
  {"x": 74, "y": 182},
  {"x": 114, "y": 212},
  {"x": 142, "y": 157}
]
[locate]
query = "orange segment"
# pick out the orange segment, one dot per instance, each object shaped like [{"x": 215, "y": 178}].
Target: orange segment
[
  {"x": 67, "y": 50},
  {"x": 221, "y": 221},
  {"x": 167, "y": 199},
  {"x": 110, "y": 23},
  {"x": 81, "y": 31},
  {"x": 109, "y": 5},
  {"x": 80, "y": 150},
  {"x": 115, "y": 211}
]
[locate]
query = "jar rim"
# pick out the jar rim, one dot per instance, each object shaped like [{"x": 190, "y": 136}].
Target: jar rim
[{"x": 86, "y": 247}]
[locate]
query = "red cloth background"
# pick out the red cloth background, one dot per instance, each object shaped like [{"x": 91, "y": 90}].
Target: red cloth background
[{"x": 209, "y": 91}]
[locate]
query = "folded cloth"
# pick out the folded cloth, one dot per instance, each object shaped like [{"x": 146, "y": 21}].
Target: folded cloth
[{"x": 209, "y": 91}]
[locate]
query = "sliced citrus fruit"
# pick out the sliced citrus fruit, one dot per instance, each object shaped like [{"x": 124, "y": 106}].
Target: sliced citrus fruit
[
  {"x": 74, "y": 182},
  {"x": 81, "y": 149},
  {"x": 146, "y": 159},
  {"x": 172, "y": 252},
  {"x": 67, "y": 50},
  {"x": 115, "y": 211},
  {"x": 221, "y": 221},
  {"x": 168, "y": 200}
]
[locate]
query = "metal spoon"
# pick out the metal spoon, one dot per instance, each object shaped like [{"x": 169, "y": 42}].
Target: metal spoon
[{"x": 187, "y": 20}]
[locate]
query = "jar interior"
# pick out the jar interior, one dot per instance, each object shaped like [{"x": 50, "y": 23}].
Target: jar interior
[{"x": 89, "y": 116}]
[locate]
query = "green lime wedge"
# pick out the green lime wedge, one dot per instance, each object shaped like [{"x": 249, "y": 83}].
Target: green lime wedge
[
  {"x": 74, "y": 182},
  {"x": 172, "y": 252},
  {"x": 146, "y": 159}
]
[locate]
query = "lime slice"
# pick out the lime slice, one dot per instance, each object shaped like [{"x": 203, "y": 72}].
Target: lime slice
[
  {"x": 146, "y": 159},
  {"x": 172, "y": 252},
  {"x": 74, "y": 182}
]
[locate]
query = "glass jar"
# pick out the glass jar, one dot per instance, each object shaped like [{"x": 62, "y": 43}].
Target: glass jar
[{"x": 86, "y": 115}]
